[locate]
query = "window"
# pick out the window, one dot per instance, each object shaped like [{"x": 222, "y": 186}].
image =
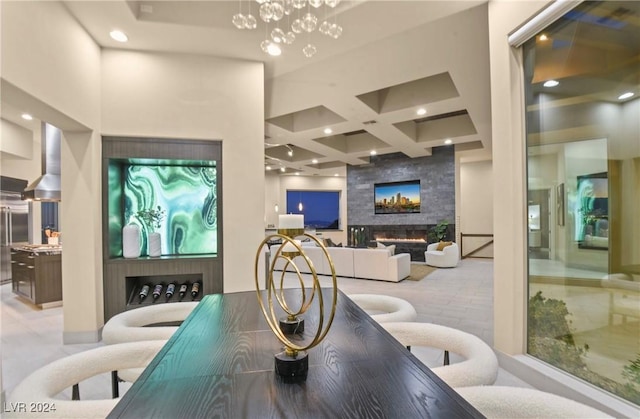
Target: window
[
  {"x": 583, "y": 173},
  {"x": 321, "y": 209}
]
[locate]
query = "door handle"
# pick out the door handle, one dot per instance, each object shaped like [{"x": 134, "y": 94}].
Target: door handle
[
  {"x": 10, "y": 226},
  {"x": 5, "y": 212}
]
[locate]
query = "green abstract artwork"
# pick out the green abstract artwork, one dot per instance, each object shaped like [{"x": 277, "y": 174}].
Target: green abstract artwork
[{"x": 187, "y": 194}]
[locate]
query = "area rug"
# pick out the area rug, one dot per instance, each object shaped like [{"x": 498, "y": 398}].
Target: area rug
[{"x": 419, "y": 272}]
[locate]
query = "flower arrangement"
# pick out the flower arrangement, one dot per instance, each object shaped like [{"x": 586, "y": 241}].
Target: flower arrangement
[{"x": 151, "y": 217}]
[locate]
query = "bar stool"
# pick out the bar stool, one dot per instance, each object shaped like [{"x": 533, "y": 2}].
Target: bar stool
[
  {"x": 516, "y": 402},
  {"x": 383, "y": 308},
  {"x": 41, "y": 386},
  {"x": 480, "y": 366},
  {"x": 134, "y": 326}
]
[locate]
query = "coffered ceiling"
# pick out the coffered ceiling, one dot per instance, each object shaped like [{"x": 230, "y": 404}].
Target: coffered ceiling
[{"x": 393, "y": 58}]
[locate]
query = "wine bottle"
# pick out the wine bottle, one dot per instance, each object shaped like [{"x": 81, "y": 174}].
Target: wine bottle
[
  {"x": 195, "y": 289},
  {"x": 183, "y": 290},
  {"x": 157, "y": 290},
  {"x": 143, "y": 293},
  {"x": 170, "y": 290}
]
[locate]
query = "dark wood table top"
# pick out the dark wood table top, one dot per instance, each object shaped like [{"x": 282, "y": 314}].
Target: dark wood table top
[{"x": 220, "y": 363}]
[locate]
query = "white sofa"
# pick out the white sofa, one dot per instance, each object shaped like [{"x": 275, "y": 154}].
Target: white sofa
[
  {"x": 445, "y": 258},
  {"x": 353, "y": 263}
]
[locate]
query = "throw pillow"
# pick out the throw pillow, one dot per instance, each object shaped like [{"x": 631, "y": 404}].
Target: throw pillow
[
  {"x": 391, "y": 248},
  {"x": 442, "y": 245}
]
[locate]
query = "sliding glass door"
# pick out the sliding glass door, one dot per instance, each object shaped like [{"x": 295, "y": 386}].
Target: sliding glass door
[{"x": 582, "y": 78}]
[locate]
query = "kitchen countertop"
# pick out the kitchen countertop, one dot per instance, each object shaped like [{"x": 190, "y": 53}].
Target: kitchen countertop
[{"x": 38, "y": 249}]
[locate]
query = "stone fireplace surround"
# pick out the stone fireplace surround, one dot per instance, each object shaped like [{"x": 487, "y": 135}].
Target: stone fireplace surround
[{"x": 408, "y": 238}]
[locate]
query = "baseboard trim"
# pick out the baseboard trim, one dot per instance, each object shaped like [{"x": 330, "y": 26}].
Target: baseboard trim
[
  {"x": 71, "y": 338},
  {"x": 552, "y": 380}
]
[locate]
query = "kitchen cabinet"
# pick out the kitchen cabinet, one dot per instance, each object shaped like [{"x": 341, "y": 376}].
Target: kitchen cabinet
[{"x": 37, "y": 276}]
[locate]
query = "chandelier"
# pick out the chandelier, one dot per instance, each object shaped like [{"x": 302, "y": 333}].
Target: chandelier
[{"x": 288, "y": 20}]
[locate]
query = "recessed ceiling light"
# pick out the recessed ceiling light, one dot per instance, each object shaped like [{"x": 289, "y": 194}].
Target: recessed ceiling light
[
  {"x": 335, "y": 174},
  {"x": 268, "y": 167},
  {"x": 297, "y": 173},
  {"x": 448, "y": 141},
  {"x": 373, "y": 152},
  {"x": 328, "y": 131},
  {"x": 118, "y": 35},
  {"x": 543, "y": 37},
  {"x": 421, "y": 111},
  {"x": 27, "y": 117},
  {"x": 314, "y": 161},
  {"x": 282, "y": 169},
  {"x": 626, "y": 95},
  {"x": 551, "y": 83}
]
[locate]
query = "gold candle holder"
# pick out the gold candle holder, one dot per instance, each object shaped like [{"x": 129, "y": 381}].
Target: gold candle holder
[{"x": 293, "y": 364}]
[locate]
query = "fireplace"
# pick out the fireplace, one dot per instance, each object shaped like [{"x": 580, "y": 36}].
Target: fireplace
[
  {"x": 399, "y": 235},
  {"x": 408, "y": 238}
]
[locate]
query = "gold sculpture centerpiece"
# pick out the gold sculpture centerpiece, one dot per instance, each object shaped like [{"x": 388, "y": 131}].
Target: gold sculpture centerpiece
[{"x": 292, "y": 364}]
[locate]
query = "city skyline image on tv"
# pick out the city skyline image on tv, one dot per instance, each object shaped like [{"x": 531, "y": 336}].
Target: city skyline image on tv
[{"x": 397, "y": 197}]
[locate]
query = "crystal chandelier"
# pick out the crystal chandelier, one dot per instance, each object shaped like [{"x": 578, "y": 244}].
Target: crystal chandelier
[{"x": 288, "y": 20}]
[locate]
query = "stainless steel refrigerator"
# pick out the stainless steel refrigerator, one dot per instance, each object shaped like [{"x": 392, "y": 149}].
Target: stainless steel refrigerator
[{"x": 14, "y": 228}]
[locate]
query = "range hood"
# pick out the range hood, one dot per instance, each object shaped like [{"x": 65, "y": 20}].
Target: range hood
[{"x": 47, "y": 186}]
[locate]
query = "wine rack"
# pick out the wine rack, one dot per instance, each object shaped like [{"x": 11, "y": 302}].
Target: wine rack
[{"x": 135, "y": 284}]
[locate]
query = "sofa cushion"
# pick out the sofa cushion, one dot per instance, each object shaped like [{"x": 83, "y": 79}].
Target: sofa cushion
[
  {"x": 371, "y": 263},
  {"x": 342, "y": 258},
  {"x": 391, "y": 248},
  {"x": 314, "y": 253},
  {"x": 378, "y": 264}
]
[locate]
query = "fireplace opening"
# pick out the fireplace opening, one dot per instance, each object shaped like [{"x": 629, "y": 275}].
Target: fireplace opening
[{"x": 400, "y": 235}]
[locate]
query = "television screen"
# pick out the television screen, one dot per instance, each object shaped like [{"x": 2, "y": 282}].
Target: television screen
[
  {"x": 185, "y": 190},
  {"x": 397, "y": 197}
]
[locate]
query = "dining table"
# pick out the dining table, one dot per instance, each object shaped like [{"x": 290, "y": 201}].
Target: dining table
[{"x": 220, "y": 364}]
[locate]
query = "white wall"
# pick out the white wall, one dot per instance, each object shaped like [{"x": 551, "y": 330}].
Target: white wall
[
  {"x": 271, "y": 199},
  {"x": 16, "y": 143},
  {"x": 51, "y": 68},
  {"x": 507, "y": 118},
  {"x": 21, "y": 159},
  {"x": 48, "y": 54},
  {"x": 199, "y": 97},
  {"x": 476, "y": 205}
]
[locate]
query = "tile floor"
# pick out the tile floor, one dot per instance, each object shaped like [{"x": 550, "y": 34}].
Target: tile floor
[{"x": 460, "y": 298}]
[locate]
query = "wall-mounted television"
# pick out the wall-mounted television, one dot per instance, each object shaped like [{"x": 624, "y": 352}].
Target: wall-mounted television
[
  {"x": 184, "y": 189},
  {"x": 397, "y": 197}
]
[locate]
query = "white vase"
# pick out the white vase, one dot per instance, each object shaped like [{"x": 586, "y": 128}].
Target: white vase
[
  {"x": 155, "y": 245},
  {"x": 131, "y": 241}
]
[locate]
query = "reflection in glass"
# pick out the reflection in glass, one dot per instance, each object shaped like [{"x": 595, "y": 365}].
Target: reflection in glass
[
  {"x": 534, "y": 217},
  {"x": 583, "y": 160}
]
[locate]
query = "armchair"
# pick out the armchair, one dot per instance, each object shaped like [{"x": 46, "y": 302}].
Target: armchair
[{"x": 448, "y": 257}]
